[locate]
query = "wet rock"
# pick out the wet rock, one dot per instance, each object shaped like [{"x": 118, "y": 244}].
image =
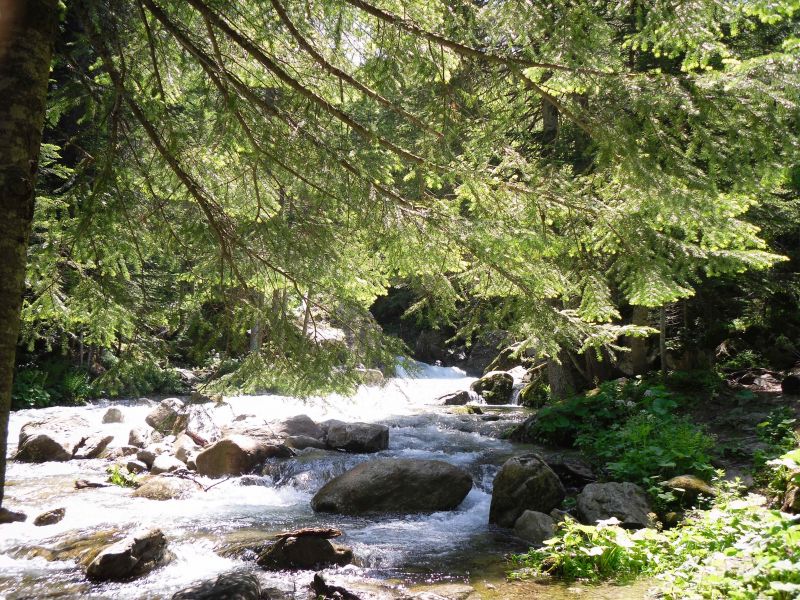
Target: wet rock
[
  {"x": 51, "y": 517},
  {"x": 163, "y": 417},
  {"x": 495, "y": 387},
  {"x": 791, "y": 498},
  {"x": 84, "y": 484},
  {"x": 165, "y": 463},
  {"x": 370, "y": 376},
  {"x": 136, "y": 466},
  {"x": 304, "y": 552},
  {"x": 524, "y": 483},
  {"x": 228, "y": 586},
  {"x": 624, "y": 501},
  {"x": 236, "y": 455},
  {"x": 324, "y": 590},
  {"x": 59, "y": 439},
  {"x": 394, "y": 485},
  {"x": 120, "y": 452},
  {"x": 484, "y": 350},
  {"x": 689, "y": 487},
  {"x": 184, "y": 447},
  {"x": 148, "y": 455},
  {"x": 11, "y": 516},
  {"x": 160, "y": 487},
  {"x": 301, "y": 442},
  {"x": 113, "y": 415},
  {"x": 456, "y": 399},
  {"x": 130, "y": 557},
  {"x": 535, "y": 527},
  {"x": 356, "y": 437},
  {"x": 467, "y": 410},
  {"x": 138, "y": 437},
  {"x": 299, "y": 425}
]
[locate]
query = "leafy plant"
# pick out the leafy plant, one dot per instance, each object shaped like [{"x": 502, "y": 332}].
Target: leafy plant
[
  {"x": 122, "y": 479},
  {"x": 29, "y": 389}
]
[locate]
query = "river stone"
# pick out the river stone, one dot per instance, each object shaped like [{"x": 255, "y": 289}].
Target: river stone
[
  {"x": 571, "y": 470},
  {"x": 689, "y": 487},
  {"x": 148, "y": 455},
  {"x": 163, "y": 417},
  {"x": 534, "y": 527},
  {"x": 456, "y": 399},
  {"x": 51, "y": 517},
  {"x": 92, "y": 446},
  {"x": 301, "y": 442},
  {"x": 164, "y": 463},
  {"x": 132, "y": 556},
  {"x": 135, "y": 466},
  {"x": 390, "y": 485},
  {"x": 299, "y": 425},
  {"x": 198, "y": 423},
  {"x": 495, "y": 387},
  {"x": 184, "y": 447},
  {"x": 113, "y": 415},
  {"x": 11, "y": 516},
  {"x": 304, "y": 552},
  {"x": 54, "y": 439},
  {"x": 238, "y": 585},
  {"x": 624, "y": 501},
  {"x": 236, "y": 455},
  {"x": 524, "y": 483},
  {"x": 138, "y": 437},
  {"x": 160, "y": 487},
  {"x": 356, "y": 437},
  {"x": 791, "y": 499}
]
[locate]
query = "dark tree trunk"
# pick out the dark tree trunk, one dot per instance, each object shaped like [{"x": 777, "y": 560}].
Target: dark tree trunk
[
  {"x": 27, "y": 33},
  {"x": 563, "y": 376}
]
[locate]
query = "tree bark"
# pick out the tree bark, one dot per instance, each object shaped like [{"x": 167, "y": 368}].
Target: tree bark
[
  {"x": 563, "y": 377},
  {"x": 27, "y": 35}
]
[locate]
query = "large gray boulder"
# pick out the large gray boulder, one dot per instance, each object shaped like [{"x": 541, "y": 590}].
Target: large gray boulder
[
  {"x": 135, "y": 555},
  {"x": 164, "y": 416},
  {"x": 524, "y": 483},
  {"x": 496, "y": 387},
  {"x": 304, "y": 552},
  {"x": 197, "y": 422},
  {"x": 624, "y": 501},
  {"x": 113, "y": 415},
  {"x": 392, "y": 485},
  {"x": 238, "y": 585},
  {"x": 535, "y": 527},
  {"x": 299, "y": 425},
  {"x": 356, "y": 437},
  {"x": 60, "y": 439},
  {"x": 236, "y": 455}
]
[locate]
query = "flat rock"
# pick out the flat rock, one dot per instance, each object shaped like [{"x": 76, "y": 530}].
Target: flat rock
[
  {"x": 160, "y": 487},
  {"x": 164, "y": 463},
  {"x": 60, "y": 439},
  {"x": 392, "y": 485},
  {"x": 228, "y": 586},
  {"x": 305, "y": 552}
]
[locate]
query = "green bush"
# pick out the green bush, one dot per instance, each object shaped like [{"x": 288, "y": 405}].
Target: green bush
[
  {"x": 136, "y": 375},
  {"x": 650, "y": 445},
  {"x": 30, "y": 389},
  {"x": 52, "y": 383},
  {"x": 737, "y": 549}
]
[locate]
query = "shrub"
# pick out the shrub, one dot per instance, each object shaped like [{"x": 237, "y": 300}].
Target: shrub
[
  {"x": 30, "y": 389},
  {"x": 137, "y": 374}
]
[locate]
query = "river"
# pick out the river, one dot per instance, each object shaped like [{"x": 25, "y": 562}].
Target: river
[{"x": 392, "y": 554}]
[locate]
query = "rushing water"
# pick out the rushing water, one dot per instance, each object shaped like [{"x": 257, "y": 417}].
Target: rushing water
[{"x": 390, "y": 551}]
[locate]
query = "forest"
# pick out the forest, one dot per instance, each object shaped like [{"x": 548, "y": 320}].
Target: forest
[{"x": 399, "y": 299}]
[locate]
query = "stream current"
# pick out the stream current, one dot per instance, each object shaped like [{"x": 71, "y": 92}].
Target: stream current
[{"x": 390, "y": 551}]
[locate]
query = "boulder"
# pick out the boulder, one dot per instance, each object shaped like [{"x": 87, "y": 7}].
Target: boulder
[
  {"x": 59, "y": 439},
  {"x": 370, "y": 376},
  {"x": 11, "y": 516},
  {"x": 496, "y": 387},
  {"x": 524, "y": 483},
  {"x": 456, "y": 399},
  {"x": 299, "y": 425},
  {"x": 304, "y": 552},
  {"x": 130, "y": 557},
  {"x": 135, "y": 466},
  {"x": 689, "y": 487},
  {"x": 160, "y": 487},
  {"x": 791, "y": 499},
  {"x": 119, "y": 452},
  {"x": 148, "y": 455},
  {"x": 236, "y": 455},
  {"x": 198, "y": 423},
  {"x": 356, "y": 437},
  {"x": 392, "y": 485},
  {"x": 484, "y": 350},
  {"x": 184, "y": 447},
  {"x": 571, "y": 470},
  {"x": 534, "y": 527},
  {"x": 138, "y": 437},
  {"x": 301, "y": 442},
  {"x": 51, "y": 517},
  {"x": 164, "y": 416},
  {"x": 113, "y": 415},
  {"x": 627, "y": 502},
  {"x": 164, "y": 463},
  {"x": 238, "y": 585}
]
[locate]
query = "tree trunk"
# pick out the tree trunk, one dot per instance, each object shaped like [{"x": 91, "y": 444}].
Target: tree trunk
[
  {"x": 639, "y": 346},
  {"x": 563, "y": 377},
  {"x": 27, "y": 34}
]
